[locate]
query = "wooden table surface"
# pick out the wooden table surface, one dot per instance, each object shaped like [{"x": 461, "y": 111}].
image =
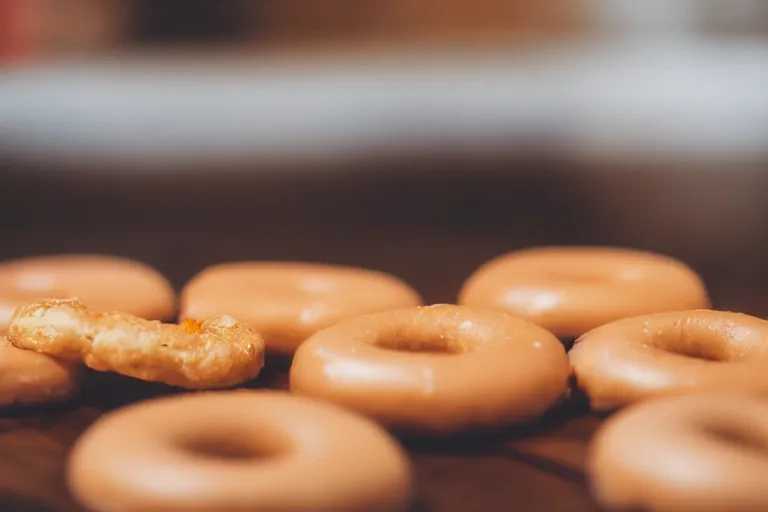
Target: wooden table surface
[{"x": 537, "y": 468}]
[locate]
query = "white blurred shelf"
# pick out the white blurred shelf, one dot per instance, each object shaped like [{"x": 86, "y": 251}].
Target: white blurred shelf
[{"x": 702, "y": 99}]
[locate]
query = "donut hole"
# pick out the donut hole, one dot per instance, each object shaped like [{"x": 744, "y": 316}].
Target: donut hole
[
  {"x": 224, "y": 449},
  {"x": 696, "y": 346},
  {"x": 425, "y": 342},
  {"x": 234, "y": 446},
  {"x": 422, "y": 346},
  {"x": 743, "y": 436},
  {"x": 698, "y": 352}
]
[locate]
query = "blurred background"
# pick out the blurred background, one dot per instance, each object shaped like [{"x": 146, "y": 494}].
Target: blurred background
[{"x": 419, "y": 137}]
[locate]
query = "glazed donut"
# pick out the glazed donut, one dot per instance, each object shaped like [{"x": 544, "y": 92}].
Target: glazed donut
[
  {"x": 106, "y": 283},
  {"x": 29, "y": 378},
  {"x": 214, "y": 353},
  {"x": 701, "y": 453},
  {"x": 671, "y": 353},
  {"x": 237, "y": 451},
  {"x": 571, "y": 290},
  {"x": 437, "y": 369},
  {"x": 288, "y": 302}
]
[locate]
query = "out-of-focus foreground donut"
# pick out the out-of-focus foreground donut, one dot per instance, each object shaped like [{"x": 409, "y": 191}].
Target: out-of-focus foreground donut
[
  {"x": 288, "y": 302},
  {"x": 237, "y": 451},
  {"x": 704, "y": 453},
  {"x": 438, "y": 369},
  {"x": 105, "y": 283},
  {"x": 571, "y": 290},
  {"x": 671, "y": 353},
  {"x": 29, "y": 378}
]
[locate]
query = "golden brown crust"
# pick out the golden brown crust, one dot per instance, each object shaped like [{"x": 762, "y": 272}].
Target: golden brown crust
[
  {"x": 287, "y": 454},
  {"x": 218, "y": 352},
  {"x": 671, "y": 353},
  {"x": 440, "y": 368},
  {"x": 571, "y": 290},
  {"x": 703, "y": 453},
  {"x": 287, "y": 302}
]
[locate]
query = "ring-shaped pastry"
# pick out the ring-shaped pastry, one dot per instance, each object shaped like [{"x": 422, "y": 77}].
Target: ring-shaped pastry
[
  {"x": 29, "y": 378},
  {"x": 287, "y": 302},
  {"x": 237, "y": 451},
  {"x": 105, "y": 283},
  {"x": 703, "y": 453},
  {"x": 436, "y": 369},
  {"x": 571, "y": 290},
  {"x": 671, "y": 353}
]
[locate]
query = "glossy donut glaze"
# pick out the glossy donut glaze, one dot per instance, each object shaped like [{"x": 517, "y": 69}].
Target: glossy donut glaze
[
  {"x": 237, "y": 451},
  {"x": 29, "y": 378},
  {"x": 288, "y": 302},
  {"x": 105, "y": 283},
  {"x": 671, "y": 353},
  {"x": 702, "y": 453},
  {"x": 571, "y": 290},
  {"x": 439, "y": 369}
]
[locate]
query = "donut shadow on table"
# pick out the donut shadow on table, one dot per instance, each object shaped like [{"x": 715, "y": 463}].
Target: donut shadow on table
[
  {"x": 419, "y": 503},
  {"x": 35, "y": 410},
  {"x": 12, "y": 502},
  {"x": 274, "y": 375},
  {"x": 108, "y": 390},
  {"x": 492, "y": 440}
]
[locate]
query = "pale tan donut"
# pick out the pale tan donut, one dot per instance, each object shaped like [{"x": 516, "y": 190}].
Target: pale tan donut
[
  {"x": 571, "y": 290},
  {"x": 288, "y": 302},
  {"x": 238, "y": 451},
  {"x": 438, "y": 369},
  {"x": 671, "y": 353},
  {"x": 705, "y": 453},
  {"x": 29, "y": 378},
  {"x": 105, "y": 283}
]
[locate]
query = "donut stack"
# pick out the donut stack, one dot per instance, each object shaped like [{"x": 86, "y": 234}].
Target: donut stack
[{"x": 368, "y": 361}]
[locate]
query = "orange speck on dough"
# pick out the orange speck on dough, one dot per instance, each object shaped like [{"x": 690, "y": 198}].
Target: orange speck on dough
[{"x": 192, "y": 326}]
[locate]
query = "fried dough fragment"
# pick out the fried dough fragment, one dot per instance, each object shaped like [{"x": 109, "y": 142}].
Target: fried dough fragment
[{"x": 215, "y": 353}]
